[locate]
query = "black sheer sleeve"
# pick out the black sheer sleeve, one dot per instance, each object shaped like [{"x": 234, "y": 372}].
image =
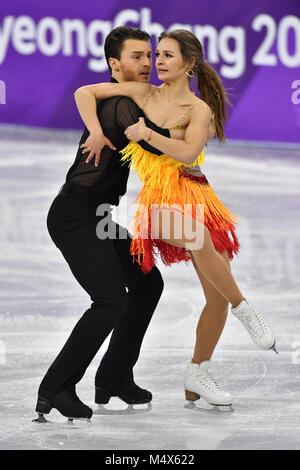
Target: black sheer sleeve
[{"x": 128, "y": 113}]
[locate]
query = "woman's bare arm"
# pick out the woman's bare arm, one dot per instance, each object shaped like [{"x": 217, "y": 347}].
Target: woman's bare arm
[
  {"x": 86, "y": 96},
  {"x": 187, "y": 150}
]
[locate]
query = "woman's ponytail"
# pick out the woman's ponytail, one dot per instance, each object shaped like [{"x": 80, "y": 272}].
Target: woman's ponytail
[
  {"x": 209, "y": 83},
  {"x": 213, "y": 93}
]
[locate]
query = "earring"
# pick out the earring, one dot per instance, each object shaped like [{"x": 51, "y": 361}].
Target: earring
[{"x": 190, "y": 73}]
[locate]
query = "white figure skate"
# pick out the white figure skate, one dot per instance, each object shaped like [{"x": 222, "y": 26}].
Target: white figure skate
[
  {"x": 198, "y": 383},
  {"x": 257, "y": 327}
]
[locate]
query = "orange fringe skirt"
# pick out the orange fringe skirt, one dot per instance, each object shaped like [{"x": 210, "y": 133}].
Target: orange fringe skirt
[{"x": 166, "y": 184}]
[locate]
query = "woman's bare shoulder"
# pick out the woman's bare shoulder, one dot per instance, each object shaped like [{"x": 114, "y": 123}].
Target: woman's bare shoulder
[
  {"x": 200, "y": 112},
  {"x": 200, "y": 106}
]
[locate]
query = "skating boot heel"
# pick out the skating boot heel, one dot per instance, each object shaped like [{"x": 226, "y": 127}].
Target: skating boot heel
[
  {"x": 42, "y": 407},
  {"x": 67, "y": 403},
  {"x": 191, "y": 396}
]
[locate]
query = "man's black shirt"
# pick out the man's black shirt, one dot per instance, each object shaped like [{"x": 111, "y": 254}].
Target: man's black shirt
[{"x": 108, "y": 181}]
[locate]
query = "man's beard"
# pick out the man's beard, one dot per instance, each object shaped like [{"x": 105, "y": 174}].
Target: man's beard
[{"x": 129, "y": 75}]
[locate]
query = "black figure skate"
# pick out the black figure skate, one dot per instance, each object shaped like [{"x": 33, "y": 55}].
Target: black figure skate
[{"x": 67, "y": 403}]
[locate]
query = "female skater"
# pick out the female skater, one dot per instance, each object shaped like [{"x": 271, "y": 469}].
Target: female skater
[{"x": 178, "y": 187}]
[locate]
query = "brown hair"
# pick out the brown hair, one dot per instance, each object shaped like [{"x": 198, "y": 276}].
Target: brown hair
[
  {"x": 114, "y": 42},
  {"x": 209, "y": 83}
]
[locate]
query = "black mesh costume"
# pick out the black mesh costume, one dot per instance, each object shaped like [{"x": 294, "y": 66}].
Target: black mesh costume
[
  {"x": 108, "y": 181},
  {"x": 104, "y": 268}
]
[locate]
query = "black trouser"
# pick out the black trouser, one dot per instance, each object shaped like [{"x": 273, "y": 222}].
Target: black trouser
[{"x": 104, "y": 268}]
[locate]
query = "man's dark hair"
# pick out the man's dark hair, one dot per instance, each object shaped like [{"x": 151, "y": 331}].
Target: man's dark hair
[{"x": 114, "y": 42}]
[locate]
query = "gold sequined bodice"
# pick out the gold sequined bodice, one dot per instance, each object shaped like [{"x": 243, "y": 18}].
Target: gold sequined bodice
[{"x": 178, "y": 124}]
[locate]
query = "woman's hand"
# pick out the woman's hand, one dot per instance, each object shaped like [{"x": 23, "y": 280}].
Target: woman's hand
[
  {"x": 138, "y": 131},
  {"x": 94, "y": 145}
]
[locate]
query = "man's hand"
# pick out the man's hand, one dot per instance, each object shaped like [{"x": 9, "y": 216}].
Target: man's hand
[
  {"x": 94, "y": 145},
  {"x": 137, "y": 131}
]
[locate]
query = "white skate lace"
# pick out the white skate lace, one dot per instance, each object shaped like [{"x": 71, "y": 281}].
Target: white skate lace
[
  {"x": 255, "y": 323},
  {"x": 208, "y": 378}
]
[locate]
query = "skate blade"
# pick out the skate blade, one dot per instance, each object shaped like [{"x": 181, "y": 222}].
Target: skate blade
[
  {"x": 223, "y": 408},
  {"x": 228, "y": 405},
  {"x": 209, "y": 407},
  {"x": 131, "y": 409},
  {"x": 69, "y": 424},
  {"x": 274, "y": 348},
  {"x": 40, "y": 419},
  {"x": 79, "y": 422}
]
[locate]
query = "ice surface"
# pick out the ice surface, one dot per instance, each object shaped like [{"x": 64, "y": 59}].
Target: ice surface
[{"x": 41, "y": 301}]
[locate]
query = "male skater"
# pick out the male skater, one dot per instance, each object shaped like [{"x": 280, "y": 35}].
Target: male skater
[{"x": 103, "y": 267}]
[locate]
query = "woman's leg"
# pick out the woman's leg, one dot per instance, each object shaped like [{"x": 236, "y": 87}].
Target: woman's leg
[
  {"x": 197, "y": 381},
  {"x": 177, "y": 229},
  {"x": 213, "y": 317},
  {"x": 183, "y": 231}
]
